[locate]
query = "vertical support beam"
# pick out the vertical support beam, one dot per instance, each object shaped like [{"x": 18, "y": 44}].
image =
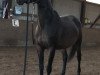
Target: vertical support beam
[
  {"x": 9, "y": 4},
  {"x": 83, "y": 10}
]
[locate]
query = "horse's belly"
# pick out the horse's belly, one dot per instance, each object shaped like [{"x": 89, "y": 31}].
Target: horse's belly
[
  {"x": 65, "y": 44},
  {"x": 68, "y": 40}
]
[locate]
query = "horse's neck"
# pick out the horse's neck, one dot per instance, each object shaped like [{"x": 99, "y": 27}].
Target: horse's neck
[
  {"x": 45, "y": 12},
  {"x": 45, "y": 3}
]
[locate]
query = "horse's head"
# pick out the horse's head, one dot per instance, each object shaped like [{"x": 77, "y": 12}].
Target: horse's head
[{"x": 21, "y": 2}]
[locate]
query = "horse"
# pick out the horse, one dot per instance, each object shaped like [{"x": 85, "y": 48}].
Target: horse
[{"x": 56, "y": 33}]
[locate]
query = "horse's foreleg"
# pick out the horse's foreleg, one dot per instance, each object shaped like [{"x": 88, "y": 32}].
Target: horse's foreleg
[
  {"x": 51, "y": 57},
  {"x": 41, "y": 60},
  {"x": 64, "y": 53}
]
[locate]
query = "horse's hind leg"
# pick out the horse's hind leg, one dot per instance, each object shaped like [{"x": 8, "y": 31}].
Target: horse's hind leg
[
  {"x": 79, "y": 55},
  {"x": 51, "y": 57},
  {"x": 41, "y": 60},
  {"x": 79, "y": 61},
  {"x": 64, "y": 53}
]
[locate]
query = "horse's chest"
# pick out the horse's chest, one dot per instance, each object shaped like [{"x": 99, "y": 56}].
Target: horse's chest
[
  {"x": 46, "y": 36},
  {"x": 41, "y": 38}
]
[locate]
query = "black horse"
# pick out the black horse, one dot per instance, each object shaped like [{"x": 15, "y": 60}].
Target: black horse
[{"x": 55, "y": 32}]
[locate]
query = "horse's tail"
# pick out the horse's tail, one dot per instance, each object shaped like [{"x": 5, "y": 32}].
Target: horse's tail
[{"x": 75, "y": 48}]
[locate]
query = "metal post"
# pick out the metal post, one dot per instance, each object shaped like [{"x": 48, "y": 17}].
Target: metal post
[
  {"x": 26, "y": 47},
  {"x": 83, "y": 10}
]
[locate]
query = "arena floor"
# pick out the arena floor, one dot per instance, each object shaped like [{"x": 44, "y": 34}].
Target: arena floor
[{"x": 11, "y": 62}]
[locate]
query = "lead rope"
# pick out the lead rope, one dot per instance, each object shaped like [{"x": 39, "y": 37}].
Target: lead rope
[{"x": 26, "y": 45}]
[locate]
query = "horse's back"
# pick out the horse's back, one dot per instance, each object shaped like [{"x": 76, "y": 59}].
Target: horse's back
[{"x": 71, "y": 19}]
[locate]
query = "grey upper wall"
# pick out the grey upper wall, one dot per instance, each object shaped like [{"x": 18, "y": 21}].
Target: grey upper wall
[{"x": 67, "y": 7}]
